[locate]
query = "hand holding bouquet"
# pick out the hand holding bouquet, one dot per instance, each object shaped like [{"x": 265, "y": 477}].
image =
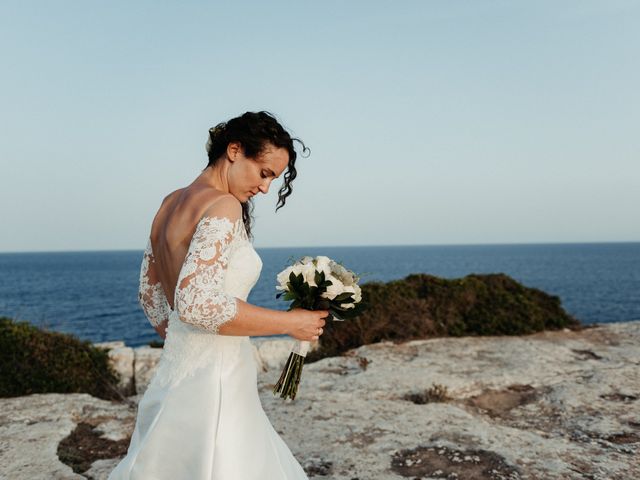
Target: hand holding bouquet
[{"x": 315, "y": 284}]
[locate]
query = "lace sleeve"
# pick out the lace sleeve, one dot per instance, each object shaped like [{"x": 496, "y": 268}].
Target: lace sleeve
[
  {"x": 200, "y": 298},
  {"x": 150, "y": 293}
]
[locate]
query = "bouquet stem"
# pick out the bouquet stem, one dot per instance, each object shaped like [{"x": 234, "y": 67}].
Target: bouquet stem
[{"x": 287, "y": 385}]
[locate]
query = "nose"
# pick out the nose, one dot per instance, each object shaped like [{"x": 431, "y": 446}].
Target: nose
[{"x": 264, "y": 186}]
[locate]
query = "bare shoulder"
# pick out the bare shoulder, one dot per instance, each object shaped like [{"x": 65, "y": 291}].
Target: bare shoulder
[
  {"x": 204, "y": 201},
  {"x": 172, "y": 195},
  {"x": 224, "y": 205}
]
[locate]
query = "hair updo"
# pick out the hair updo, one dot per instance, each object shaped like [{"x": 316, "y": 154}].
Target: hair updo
[{"x": 255, "y": 131}]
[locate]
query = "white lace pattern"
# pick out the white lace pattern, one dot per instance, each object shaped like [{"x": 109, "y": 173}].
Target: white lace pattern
[
  {"x": 200, "y": 299},
  {"x": 220, "y": 267},
  {"x": 150, "y": 294}
]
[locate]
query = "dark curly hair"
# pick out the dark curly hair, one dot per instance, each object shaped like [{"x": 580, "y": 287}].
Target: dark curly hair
[{"x": 255, "y": 131}]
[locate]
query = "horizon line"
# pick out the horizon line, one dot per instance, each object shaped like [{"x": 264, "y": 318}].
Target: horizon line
[{"x": 353, "y": 246}]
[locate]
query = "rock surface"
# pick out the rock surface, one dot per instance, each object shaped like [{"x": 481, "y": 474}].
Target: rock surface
[
  {"x": 123, "y": 360},
  {"x": 553, "y": 405},
  {"x": 136, "y": 366},
  {"x": 272, "y": 353},
  {"x": 32, "y": 428},
  {"x": 146, "y": 359}
]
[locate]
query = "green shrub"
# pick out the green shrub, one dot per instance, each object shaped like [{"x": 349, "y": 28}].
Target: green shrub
[
  {"x": 37, "y": 361},
  {"x": 423, "y": 306}
]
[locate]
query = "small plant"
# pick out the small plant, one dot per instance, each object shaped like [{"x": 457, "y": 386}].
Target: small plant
[
  {"x": 363, "y": 362},
  {"x": 435, "y": 393}
]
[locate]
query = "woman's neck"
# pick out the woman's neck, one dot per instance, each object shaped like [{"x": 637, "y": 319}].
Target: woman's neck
[{"x": 214, "y": 176}]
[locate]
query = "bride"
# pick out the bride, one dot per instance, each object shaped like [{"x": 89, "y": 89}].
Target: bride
[{"x": 201, "y": 416}]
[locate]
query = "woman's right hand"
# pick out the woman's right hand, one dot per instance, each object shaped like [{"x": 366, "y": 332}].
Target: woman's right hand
[{"x": 307, "y": 324}]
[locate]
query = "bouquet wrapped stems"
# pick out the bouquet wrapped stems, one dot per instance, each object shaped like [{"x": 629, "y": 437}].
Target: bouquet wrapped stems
[
  {"x": 315, "y": 284},
  {"x": 287, "y": 384}
]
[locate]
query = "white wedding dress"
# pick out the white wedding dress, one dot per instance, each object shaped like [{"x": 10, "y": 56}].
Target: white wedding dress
[{"x": 201, "y": 416}]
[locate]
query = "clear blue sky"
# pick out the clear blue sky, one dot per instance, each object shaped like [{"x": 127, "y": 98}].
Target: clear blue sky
[{"x": 429, "y": 122}]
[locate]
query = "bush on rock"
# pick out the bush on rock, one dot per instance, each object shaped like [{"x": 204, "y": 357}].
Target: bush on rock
[
  {"x": 38, "y": 361},
  {"x": 422, "y": 306}
]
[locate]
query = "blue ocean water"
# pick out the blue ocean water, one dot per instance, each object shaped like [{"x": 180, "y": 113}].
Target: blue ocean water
[{"x": 94, "y": 294}]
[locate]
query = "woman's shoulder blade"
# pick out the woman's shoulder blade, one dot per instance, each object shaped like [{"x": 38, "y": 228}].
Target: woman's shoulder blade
[{"x": 185, "y": 210}]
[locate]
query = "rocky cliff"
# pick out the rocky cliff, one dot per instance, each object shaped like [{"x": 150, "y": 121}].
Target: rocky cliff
[{"x": 550, "y": 405}]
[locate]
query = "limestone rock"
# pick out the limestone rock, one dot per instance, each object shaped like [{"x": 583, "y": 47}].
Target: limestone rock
[
  {"x": 101, "y": 469},
  {"x": 32, "y": 427},
  {"x": 110, "y": 345},
  {"x": 122, "y": 359},
  {"x": 146, "y": 359},
  {"x": 552, "y": 405},
  {"x": 273, "y": 352}
]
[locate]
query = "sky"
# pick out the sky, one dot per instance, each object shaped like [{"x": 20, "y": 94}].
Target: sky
[{"x": 451, "y": 122}]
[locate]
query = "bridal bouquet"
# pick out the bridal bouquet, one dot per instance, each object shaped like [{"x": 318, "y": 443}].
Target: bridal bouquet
[{"x": 317, "y": 283}]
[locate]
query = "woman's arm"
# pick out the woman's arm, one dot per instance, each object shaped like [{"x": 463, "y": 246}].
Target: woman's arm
[
  {"x": 201, "y": 300},
  {"x": 150, "y": 294},
  {"x": 252, "y": 320},
  {"x": 200, "y": 297}
]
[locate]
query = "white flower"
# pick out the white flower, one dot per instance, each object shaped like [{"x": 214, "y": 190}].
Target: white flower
[
  {"x": 304, "y": 260},
  {"x": 357, "y": 295},
  {"x": 309, "y": 265},
  {"x": 333, "y": 290},
  {"x": 323, "y": 264},
  {"x": 283, "y": 276},
  {"x": 309, "y": 274}
]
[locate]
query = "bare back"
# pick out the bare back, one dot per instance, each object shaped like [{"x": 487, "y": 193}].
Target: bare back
[{"x": 172, "y": 230}]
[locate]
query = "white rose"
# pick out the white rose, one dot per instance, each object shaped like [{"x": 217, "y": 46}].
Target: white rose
[
  {"x": 350, "y": 289},
  {"x": 309, "y": 274},
  {"x": 357, "y": 293},
  {"x": 323, "y": 264},
  {"x": 283, "y": 276},
  {"x": 311, "y": 265},
  {"x": 333, "y": 290}
]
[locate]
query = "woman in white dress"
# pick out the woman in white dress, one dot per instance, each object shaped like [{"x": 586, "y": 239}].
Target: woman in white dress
[{"x": 201, "y": 416}]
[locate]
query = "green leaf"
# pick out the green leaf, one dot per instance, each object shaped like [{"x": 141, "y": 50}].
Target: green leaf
[
  {"x": 290, "y": 296},
  {"x": 345, "y": 297}
]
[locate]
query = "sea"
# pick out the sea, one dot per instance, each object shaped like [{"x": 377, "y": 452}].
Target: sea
[{"x": 93, "y": 294}]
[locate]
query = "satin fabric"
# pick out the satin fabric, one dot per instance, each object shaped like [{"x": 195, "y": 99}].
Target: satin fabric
[{"x": 201, "y": 416}]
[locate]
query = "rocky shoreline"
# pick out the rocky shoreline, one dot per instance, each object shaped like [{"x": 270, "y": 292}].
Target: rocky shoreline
[{"x": 551, "y": 405}]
